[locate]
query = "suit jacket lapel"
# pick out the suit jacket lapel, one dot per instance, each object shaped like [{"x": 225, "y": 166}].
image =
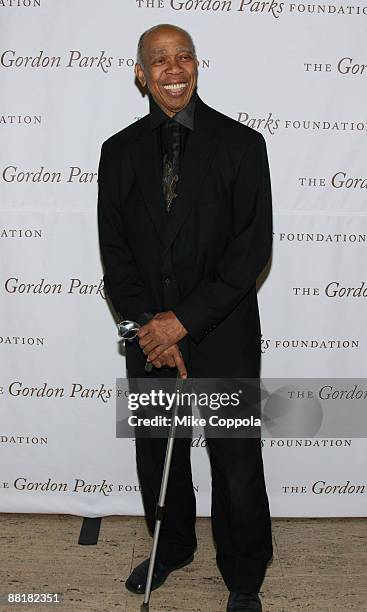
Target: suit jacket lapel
[{"x": 147, "y": 163}]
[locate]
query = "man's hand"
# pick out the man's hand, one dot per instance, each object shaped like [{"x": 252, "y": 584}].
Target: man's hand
[
  {"x": 173, "y": 358},
  {"x": 161, "y": 332}
]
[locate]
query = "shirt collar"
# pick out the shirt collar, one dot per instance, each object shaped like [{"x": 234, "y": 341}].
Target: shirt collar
[{"x": 184, "y": 117}]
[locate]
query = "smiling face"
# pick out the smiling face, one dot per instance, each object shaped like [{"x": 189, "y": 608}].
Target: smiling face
[{"x": 170, "y": 68}]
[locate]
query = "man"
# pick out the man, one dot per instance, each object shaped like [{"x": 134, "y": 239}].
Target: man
[{"x": 185, "y": 225}]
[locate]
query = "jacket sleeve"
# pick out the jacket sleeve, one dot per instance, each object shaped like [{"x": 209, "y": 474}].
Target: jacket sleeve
[
  {"x": 246, "y": 254},
  {"x": 122, "y": 280}
]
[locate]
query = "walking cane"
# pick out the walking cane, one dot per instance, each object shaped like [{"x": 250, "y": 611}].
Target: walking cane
[
  {"x": 128, "y": 331},
  {"x": 162, "y": 498}
]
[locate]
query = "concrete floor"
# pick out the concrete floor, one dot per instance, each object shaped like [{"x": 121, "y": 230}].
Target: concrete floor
[{"x": 320, "y": 565}]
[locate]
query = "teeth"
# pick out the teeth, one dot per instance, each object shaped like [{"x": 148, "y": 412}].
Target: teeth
[{"x": 175, "y": 86}]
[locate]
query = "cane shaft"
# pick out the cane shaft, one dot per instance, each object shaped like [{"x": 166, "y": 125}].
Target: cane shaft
[{"x": 162, "y": 497}]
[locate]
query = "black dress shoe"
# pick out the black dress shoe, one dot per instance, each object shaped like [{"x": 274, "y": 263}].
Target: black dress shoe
[
  {"x": 137, "y": 580},
  {"x": 243, "y": 602}
]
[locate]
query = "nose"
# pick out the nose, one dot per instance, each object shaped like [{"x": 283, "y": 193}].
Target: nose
[{"x": 173, "y": 65}]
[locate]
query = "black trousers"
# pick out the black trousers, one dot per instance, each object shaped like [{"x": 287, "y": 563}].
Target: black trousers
[{"x": 239, "y": 507}]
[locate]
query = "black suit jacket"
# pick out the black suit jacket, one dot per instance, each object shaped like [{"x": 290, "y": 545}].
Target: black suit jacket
[{"x": 202, "y": 261}]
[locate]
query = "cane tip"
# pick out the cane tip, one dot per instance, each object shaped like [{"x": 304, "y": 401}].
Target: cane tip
[{"x": 144, "y": 607}]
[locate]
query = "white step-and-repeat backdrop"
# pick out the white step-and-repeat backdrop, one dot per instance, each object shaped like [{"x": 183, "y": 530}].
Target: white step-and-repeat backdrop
[{"x": 297, "y": 72}]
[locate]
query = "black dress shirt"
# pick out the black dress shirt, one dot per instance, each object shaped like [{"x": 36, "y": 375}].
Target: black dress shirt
[{"x": 172, "y": 134}]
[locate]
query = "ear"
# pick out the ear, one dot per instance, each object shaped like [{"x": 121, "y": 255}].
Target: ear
[{"x": 139, "y": 73}]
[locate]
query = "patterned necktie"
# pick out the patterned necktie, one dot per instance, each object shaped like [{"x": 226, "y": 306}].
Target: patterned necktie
[{"x": 171, "y": 160}]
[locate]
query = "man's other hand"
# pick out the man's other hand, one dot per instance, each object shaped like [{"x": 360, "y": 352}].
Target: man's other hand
[
  {"x": 161, "y": 332},
  {"x": 171, "y": 357}
]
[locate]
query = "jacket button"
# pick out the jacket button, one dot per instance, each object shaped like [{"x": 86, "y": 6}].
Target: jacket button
[{"x": 167, "y": 280}]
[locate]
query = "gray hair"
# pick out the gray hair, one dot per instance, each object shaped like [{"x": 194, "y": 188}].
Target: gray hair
[{"x": 139, "y": 54}]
